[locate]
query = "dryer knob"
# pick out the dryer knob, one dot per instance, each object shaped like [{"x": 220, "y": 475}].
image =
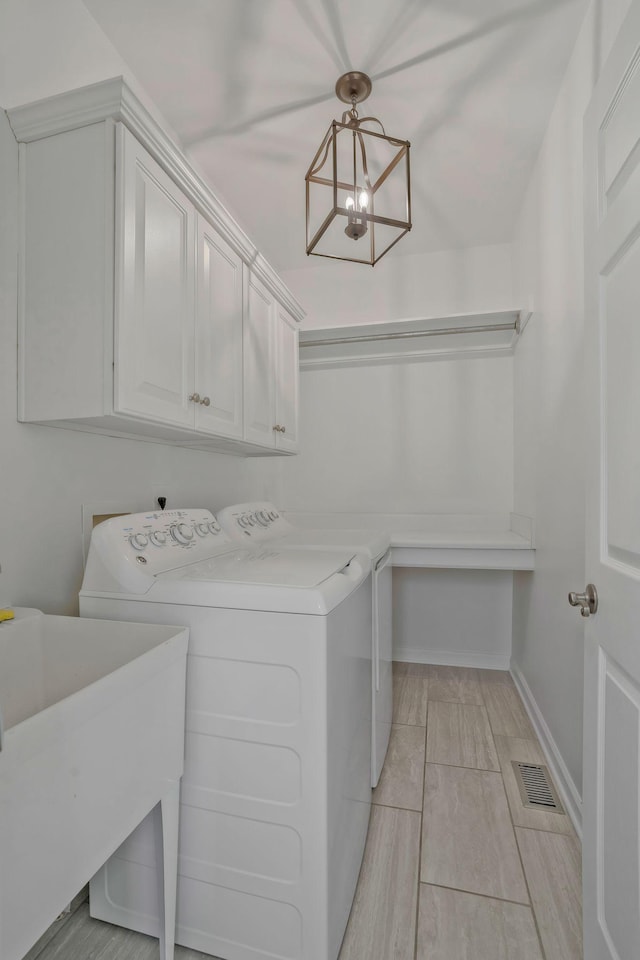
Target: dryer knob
[
  {"x": 138, "y": 541},
  {"x": 182, "y": 533}
]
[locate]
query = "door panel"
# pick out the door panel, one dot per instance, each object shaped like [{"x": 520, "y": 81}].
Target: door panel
[
  {"x": 621, "y": 392},
  {"x": 619, "y": 894},
  {"x": 611, "y": 814},
  {"x": 287, "y": 374},
  {"x": 218, "y": 335},
  {"x": 259, "y": 379},
  {"x": 154, "y": 290}
]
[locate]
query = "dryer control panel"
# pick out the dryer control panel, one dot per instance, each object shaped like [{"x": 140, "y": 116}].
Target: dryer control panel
[
  {"x": 132, "y": 549},
  {"x": 253, "y": 521}
]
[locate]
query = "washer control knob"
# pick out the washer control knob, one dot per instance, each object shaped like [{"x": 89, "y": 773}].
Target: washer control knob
[
  {"x": 158, "y": 538},
  {"x": 138, "y": 541},
  {"x": 182, "y": 533},
  {"x": 243, "y": 521},
  {"x": 251, "y": 519},
  {"x": 214, "y": 526},
  {"x": 273, "y": 515},
  {"x": 202, "y": 529}
]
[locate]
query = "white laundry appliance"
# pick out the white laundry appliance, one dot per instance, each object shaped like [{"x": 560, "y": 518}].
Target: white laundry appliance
[
  {"x": 260, "y": 521},
  {"x": 276, "y": 793}
]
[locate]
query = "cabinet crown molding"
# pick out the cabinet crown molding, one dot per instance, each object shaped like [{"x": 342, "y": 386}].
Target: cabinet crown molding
[{"x": 114, "y": 100}]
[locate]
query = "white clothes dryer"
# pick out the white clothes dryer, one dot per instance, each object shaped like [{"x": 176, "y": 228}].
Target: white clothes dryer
[
  {"x": 276, "y": 791},
  {"x": 260, "y": 521}
]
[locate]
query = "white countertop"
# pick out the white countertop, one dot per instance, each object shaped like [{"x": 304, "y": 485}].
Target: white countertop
[{"x": 469, "y": 541}]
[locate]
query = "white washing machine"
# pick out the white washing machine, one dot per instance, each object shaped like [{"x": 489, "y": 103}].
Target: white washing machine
[
  {"x": 276, "y": 792},
  {"x": 257, "y": 522}
]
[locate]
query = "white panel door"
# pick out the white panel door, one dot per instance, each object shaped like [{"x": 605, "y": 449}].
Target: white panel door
[
  {"x": 287, "y": 381},
  {"x": 612, "y": 657},
  {"x": 259, "y": 364},
  {"x": 218, "y": 378},
  {"x": 155, "y": 279}
]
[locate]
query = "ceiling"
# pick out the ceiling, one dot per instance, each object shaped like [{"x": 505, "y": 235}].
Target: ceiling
[{"x": 248, "y": 87}]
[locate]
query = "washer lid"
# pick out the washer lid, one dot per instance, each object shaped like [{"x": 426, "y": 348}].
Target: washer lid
[{"x": 267, "y": 567}]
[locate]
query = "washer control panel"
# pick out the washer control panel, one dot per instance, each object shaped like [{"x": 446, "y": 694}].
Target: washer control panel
[
  {"x": 161, "y": 530},
  {"x": 128, "y": 552},
  {"x": 253, "y": 521},
  {"x": 165, "y": 539}
]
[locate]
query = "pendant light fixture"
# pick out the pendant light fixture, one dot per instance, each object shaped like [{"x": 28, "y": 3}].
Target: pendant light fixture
[{"x": 358, "y": 186}]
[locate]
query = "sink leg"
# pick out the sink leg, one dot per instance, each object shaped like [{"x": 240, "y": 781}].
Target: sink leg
[{"x": 167, "y": 836}]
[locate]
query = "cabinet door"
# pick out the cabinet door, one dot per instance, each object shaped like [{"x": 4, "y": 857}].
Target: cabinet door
[
  {"x": 259, "y": 365},
  {"x": 218, "y": 361},
  {"x": 155, "y": 279},
  {"x": 287, "y": 366}
]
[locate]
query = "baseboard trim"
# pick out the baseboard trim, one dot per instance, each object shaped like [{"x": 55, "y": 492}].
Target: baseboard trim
[
  {"x": 445, "y": 658},
  {"x": 563, "y": 780}
]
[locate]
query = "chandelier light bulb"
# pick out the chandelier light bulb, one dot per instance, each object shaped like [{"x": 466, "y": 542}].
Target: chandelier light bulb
[
  {"x": 364, "y": 200},
  {"x": 349, "y": 203}
]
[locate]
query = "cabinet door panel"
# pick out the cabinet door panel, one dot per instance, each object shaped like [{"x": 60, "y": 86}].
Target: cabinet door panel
[
  {"x": 155, "y": 275},
  {"x": 287, "y": 382},
  {"x": 218, "y": 335},
  {"x": 259, "y": 363}
]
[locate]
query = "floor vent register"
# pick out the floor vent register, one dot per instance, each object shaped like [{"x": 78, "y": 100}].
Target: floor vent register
[{"x": 536, "y": 788}]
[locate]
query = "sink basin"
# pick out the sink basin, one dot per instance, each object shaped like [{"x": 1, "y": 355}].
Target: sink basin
[{"x": 93, "y": 717}]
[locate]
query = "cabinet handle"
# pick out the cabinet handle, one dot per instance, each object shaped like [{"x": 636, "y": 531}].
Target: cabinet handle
[
  {"x": 281, "y": 429},
  {"x": 195, "y": 397},
  {"x": 277, "y": 427},
  {"x": 206, "y": 401}
]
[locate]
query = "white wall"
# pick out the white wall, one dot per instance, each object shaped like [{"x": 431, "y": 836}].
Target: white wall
[
  {"x": 50, "y": 47},
  {"x": 430, "y": 437},
  {"x": 426, "y": 437},
  {"x": 456, "y": 617},
  {"x": 48, "y": 473},
  {"x": 550, "y": 433},
  {"x": 400, "y": 287}
]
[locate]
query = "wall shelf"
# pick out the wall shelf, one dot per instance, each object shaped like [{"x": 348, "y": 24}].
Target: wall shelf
[{"x": 434, "y": 338}]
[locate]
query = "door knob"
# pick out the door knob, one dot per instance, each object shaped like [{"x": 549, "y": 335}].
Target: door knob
[{"x": 587, "y": 601}]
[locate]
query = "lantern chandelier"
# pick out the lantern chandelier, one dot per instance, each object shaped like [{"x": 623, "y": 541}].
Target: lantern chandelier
[{"x": 358, "y": 186}]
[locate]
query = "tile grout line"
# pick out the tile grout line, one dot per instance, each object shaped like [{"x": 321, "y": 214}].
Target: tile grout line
[
  {"x": 553, "y": 833},
  {"x": 475, "y": 893},
  {"x": 533, "y": 909},
  {"x": 422, "y": 816},
  {"x": 515, "y": 835}
]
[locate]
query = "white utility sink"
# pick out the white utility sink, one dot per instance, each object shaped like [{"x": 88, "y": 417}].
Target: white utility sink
[{"x": 93, "y": 739}]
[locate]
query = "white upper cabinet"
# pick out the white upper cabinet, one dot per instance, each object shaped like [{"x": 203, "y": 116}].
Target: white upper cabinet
[
  {"x": 155, "y": 270},
  {"x": 138, "y": 313},
  {"x": 270, "y": 371}
]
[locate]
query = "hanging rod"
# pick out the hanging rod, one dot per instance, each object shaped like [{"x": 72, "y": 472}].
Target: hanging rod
[{"x": 411, "y": 334}]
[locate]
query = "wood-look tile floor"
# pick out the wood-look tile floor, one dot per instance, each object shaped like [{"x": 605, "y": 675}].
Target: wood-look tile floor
[{"x": 455, "y": 867}]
